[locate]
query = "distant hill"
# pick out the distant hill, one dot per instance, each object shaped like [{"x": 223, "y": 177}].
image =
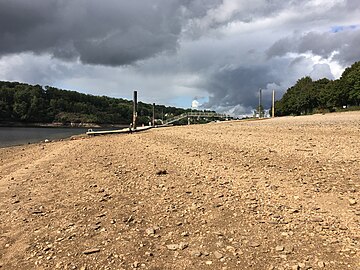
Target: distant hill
[
  {"x": 24, "y": 103},
  {"x": 308, "y": 96}
]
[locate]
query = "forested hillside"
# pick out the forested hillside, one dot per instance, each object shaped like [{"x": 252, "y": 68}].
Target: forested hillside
[
  {"x": 308, "y": 96},
  {"x": 26, "y": 103}
]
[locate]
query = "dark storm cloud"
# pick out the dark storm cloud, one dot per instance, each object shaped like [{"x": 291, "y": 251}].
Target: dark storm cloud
[
  {"x": 172, "y": 49},
  {"x": 344, "y": 43},
  {"x": 238, "y": 86},
  {"x": 110, "y": 32}
]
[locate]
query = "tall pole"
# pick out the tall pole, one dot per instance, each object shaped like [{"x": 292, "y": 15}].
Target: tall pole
[
  {"x": 153, "y": 115},
  {"x": 260, "y": 103},
  {"x": 134, "y": 110},
  {"x": 273, "y": 104}
]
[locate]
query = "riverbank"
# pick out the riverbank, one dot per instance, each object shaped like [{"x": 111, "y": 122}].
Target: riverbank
[{"x": 275, "y": 194}]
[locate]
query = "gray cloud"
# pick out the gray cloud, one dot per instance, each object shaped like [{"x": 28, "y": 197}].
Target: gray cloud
[
  {"x": 231, "y": 87},
  {"x": 344, "y": 44},
  {"x": 109, "y": 33},
  {"x": 321, "y": 71},
  {"x": 171, "y": 50}
]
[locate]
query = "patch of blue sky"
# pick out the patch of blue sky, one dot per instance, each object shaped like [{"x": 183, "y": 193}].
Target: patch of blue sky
[
  {"x": 341, "y": 28},
  {"x": 181, "y": 102}
]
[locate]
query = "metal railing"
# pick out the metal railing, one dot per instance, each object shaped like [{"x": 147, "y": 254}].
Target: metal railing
[{"x": 194, "y": 114}]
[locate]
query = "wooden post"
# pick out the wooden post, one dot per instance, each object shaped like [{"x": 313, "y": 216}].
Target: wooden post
[
  {"x": 259, "y": 103},
  {"x": 153, "y": 115},
  {"x": 134, "y": 110},
  {"x": 273, "y": 104}
]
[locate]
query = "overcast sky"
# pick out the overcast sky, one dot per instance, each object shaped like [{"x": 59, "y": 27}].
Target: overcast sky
[{"x": 173, "y": 52}]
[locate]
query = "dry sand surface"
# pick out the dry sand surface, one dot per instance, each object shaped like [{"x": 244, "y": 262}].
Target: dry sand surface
[{"x": 274, "y": 194}]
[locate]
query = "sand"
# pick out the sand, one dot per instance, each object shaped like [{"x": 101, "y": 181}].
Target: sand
[{"x": 273, "y": 194}]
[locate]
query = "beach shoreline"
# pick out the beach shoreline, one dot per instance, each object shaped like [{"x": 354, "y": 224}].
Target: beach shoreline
[{"x": 275, "y": 194}]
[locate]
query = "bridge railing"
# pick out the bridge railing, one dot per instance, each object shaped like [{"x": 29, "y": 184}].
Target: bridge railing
[{"x": 194, "y": 114}]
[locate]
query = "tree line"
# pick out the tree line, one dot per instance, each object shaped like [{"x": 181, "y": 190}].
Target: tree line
[
  {"x": 308, "y": 96},
  {"x": 24, "y": 103}
]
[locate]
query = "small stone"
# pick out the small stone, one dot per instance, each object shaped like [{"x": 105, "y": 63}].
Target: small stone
[
  {"x": 302, "y": 265},
  {"x": 148, "y": 253},
  {"x": 185, "y": 234},
  {"x": 289, "y": 249},
  {"x": 136, "y": 264},
  {"x": 317, "y": 219},
  {"x": 321, "y": 264},
  {"x": 279, "y": 248},
  {"x": 196, "y": 253},
  {"x": 90, "y": 251},
  {"x": 218, "y": 255},
  {"x": 208, "y": 262},
  {"x": 352, "y": 201},
  {"x": 172, "y": 247},
  {"x": 183, "y": 245},
  {"x": 150, "y": 231},
  {"x": 254, "y": 244},
  {"x": 161, "y": 172}
]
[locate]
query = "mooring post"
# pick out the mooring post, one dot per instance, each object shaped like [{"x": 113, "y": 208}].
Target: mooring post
[
  {"x": 134, "y": 110},
  {"x": 273, "y": 104},
  {"x": 153, "y": 115}
]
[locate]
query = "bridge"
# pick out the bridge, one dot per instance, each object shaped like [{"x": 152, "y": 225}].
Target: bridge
[{"x": 194, "y": 114}]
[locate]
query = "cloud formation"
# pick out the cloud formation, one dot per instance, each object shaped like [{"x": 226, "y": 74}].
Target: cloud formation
[
  {"x": 175, "y": 50},
  {"x": 108, "y": 33}
]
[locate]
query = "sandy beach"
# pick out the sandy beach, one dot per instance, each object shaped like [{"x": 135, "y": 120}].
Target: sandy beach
[{"x": 274, "y": 194}]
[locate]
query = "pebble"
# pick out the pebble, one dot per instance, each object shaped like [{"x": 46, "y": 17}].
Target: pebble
[
  {"x": 161, "y": 172},
  {"x": 172, "y": 246},
  {"x": 352, "y": 201},
  {"x": 279, "y": 248},
  {"x": 148, "y": 253},
  {"x": 150, "y": 231},
  {"x": 185, "y": 234},
  {"x": 218, "y": 255},
  {"x": 317, "y": 219},
  {"x": 302, "y": 265},
  {"x": 208, "y": 262},
  {"x": 321, "y": 264},
  {"x": 183, "y": 245},
  {"x": 90, "y": 251},
  {"x": 254, "y": 244},
  {"x": 196, "y": 253}
]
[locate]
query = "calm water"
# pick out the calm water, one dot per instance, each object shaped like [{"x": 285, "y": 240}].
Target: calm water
[{"x": 22, "y": 135}]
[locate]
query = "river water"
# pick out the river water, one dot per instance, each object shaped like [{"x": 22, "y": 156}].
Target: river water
[{"x": 10, "y": 136}]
